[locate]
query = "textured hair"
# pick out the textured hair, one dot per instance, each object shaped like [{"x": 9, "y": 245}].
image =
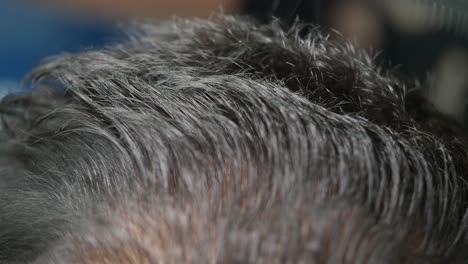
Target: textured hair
[{"x": 227, "y": 141}]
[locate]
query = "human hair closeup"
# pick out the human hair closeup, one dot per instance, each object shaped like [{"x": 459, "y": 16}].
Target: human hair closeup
[{"x": 228, "y": 141}]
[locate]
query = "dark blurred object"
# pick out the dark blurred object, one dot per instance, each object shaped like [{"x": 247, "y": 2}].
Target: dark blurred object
[
  {"x": 415, "y": 32},
  {"x": 417, "y": 36}
]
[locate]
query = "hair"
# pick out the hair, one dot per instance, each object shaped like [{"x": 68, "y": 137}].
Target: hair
[{"x": 228, "y": 141}]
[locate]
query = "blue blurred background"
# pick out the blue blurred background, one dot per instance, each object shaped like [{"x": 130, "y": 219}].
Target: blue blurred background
[{"x": 30, "y": 34}]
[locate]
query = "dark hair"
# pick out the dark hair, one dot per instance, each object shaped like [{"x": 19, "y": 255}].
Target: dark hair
[{"x": 226, "y": 141}]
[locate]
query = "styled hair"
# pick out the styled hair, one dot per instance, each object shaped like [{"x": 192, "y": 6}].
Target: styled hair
[{"x": 228, "y": 141}]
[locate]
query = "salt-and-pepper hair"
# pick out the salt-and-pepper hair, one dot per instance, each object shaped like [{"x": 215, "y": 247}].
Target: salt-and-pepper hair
[{"x": 227, "y": 141}]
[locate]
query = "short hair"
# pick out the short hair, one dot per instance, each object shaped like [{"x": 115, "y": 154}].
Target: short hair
[{"x": 228, "y": 141}]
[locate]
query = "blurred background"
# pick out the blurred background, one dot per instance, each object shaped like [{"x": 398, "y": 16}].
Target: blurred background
[{"x": 427, "y": 39}]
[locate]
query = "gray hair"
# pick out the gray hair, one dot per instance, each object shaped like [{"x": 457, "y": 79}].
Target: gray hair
[{"x": 227, "y": 141}]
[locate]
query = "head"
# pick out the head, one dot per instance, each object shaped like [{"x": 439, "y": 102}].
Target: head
[{"x": 227, "y": 141}]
